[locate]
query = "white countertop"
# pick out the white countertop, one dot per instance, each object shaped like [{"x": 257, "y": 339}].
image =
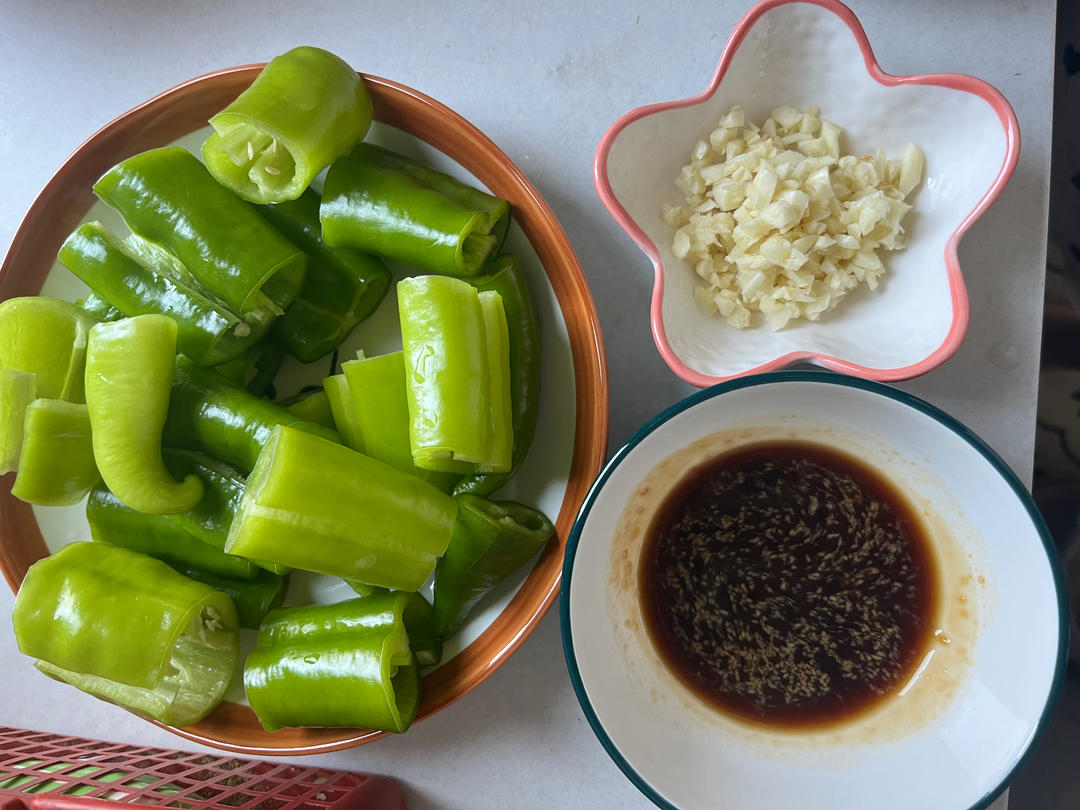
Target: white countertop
[{"x": 543, "y": 80}]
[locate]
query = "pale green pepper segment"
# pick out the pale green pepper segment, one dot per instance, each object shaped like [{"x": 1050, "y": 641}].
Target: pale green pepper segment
[
  {"x": 497, "y": 338},
  {"x": 129, "y": 629},
  {"x": 129, "y": 371},
  {"x": 46, "y": 337},
  {"x": 319, "y": 506},
  {"x": 17, "y": 390},
  {"x": 56, "y": 466},
  {"x": 346, "y": 421},
  {"x": 305, "y": 109}
]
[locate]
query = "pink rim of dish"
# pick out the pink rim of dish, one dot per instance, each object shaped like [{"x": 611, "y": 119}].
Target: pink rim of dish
[{"x": 958, "y": 292}]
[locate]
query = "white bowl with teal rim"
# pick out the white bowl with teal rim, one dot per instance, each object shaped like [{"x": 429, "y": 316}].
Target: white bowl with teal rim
[{"x": 954, "y": 733}]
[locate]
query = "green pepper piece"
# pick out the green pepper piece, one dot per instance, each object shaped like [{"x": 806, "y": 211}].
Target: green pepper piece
[
  {"x": 253, "y": 598},
  {"x": 306, "y": 108},
  {"x": 346, "y": 664},
  {"x": 128, "y": 628},
  {"x": 46, "y": 337},
  {"x": 313, "y": 406},
  {"x": 129, "y": 370},
  {"x": 167, "y": 195},
  {"x": 448, "y": 355},
  {"x": 56, "y": 466},
  {"x": 380, "y": 202},
  {"x": 255, "y": 369},
  {"x": 491, "y": 540},
  {"x": 99, "y": 308},
  {"x": 380, "y": 407},
  {"x": 425, "y": 643},
  {"x": 497, "y": 340},
  {"x": 319, "y": 506},
  {"x": 209, "y": 414},
  {"x": 17, "y": 390},
  {"x": 207, "y": 331},
  {"x": 346, "y": 420},
  {"x": 505, "y": 278},
  {"x": 196, "y": 537},
  {"x": 341, "y": 287}
]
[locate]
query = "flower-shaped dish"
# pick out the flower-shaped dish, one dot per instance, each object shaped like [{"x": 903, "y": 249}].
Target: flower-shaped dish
[{"x": 802, "y": 53}]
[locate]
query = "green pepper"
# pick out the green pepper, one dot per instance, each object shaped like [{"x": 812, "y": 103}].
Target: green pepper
[
  {"x": 305, "y": 109},
  {"x": 56, "y": 466},
  {"x": 425, "y": 643},
  {"x": 381, "y": 202},
  {"x": 17, "y": 390},
  {"x": 99, "y": 308},
  {"x": 129, "y": 629},
  {"x": 207, "y": 331},
  {"x": 312, "y": 406},
  {"x": 380, "y": 408},
  {"x": 253, "y": 598},
  {"x": 491, "y": 540},
  {"x": 319, "y": 506},
  {"x": 346, "y": 420},
  {"x": 452, "y": 393},
  {"x": 46, "y": 337},
  {"x": 196, "y": 537},
  {"x": 255, "y": 369},
  {"x": 129, "y": 371},
  {"x": 341, "y": 287},
  {"x": 209, "y": 414},
  {"x": 347, "y": 664},
  {"x": 167, "y": 196},
  {"x": 505, "y": 278}
]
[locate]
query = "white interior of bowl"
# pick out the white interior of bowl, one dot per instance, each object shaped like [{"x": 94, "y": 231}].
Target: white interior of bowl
[
  {"x": 542, "y": 479},
  {"x": 801, "y": 54},
  {"x": 693, "y": 757}
]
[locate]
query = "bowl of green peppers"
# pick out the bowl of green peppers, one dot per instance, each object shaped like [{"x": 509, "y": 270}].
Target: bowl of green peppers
[{"x": 316, "y": 389}]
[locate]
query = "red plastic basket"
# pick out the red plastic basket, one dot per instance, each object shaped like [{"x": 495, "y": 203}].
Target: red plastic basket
[{"x": 40, "y": 771}]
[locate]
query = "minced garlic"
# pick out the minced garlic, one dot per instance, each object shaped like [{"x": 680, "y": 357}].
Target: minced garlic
[{"x": 776, "y": 221}]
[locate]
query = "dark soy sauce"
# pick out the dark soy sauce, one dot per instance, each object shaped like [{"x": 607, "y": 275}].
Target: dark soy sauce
[{"x": 789, "y": 584}]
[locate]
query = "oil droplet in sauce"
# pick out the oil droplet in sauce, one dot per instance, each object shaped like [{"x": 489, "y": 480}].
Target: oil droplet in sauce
[{"x": 789, "y": 584}]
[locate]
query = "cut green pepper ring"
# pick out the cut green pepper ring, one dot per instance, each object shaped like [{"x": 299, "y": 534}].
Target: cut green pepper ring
[
  {"x": 306, "y": 108},
  {"x": 56, "y": 465},
  {"x": 129, "y": 629},
  {"x": 346, "y": 664}
]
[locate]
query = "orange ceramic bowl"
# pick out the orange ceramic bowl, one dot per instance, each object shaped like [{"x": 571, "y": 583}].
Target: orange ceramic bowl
[{"x": 183, "y": 110}]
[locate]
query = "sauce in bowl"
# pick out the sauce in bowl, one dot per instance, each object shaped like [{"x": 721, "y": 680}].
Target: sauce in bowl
[{"x": 789, "y": 584}]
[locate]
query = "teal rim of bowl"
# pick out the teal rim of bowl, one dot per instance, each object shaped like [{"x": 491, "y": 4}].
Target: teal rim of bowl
[{"x": 827, "y": 378}]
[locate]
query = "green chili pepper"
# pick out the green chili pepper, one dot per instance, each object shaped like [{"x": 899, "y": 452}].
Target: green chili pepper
[
  {"x": 196, "y": 537},
  {"x": 17, "y": 390},
  {"x": 491, "y": 540},
  {"x": 99, "y": 308},
  {"x": 379, "y": 405},
  {"x": 305, "y": 109},
  {"x": 129, "y": 370},
  {"x": 347, "y": 664},
  {"x": 253, "y": 598},
  {"x": 127, "y": 628},
  {"x": 448, "y": 353},
  {"x": 505, "y": 278},
  {"x": 380, "y": 202},
  {"x": 346, "y": 420},
  {"x": 209, "y": 414},
  {"x": 46, "y": 337},
  {"x": 312, "y": 406},
  {"x": 425, "y": 643},
  {"x": 318, "y": 506},
  {"x": 207, "y": 331},
  {"x": 341, "y": 287},
  {"x": 56, "y": 466},
  {"x": 167, "y": 195},
  {"x": 255, "y": 369}
]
